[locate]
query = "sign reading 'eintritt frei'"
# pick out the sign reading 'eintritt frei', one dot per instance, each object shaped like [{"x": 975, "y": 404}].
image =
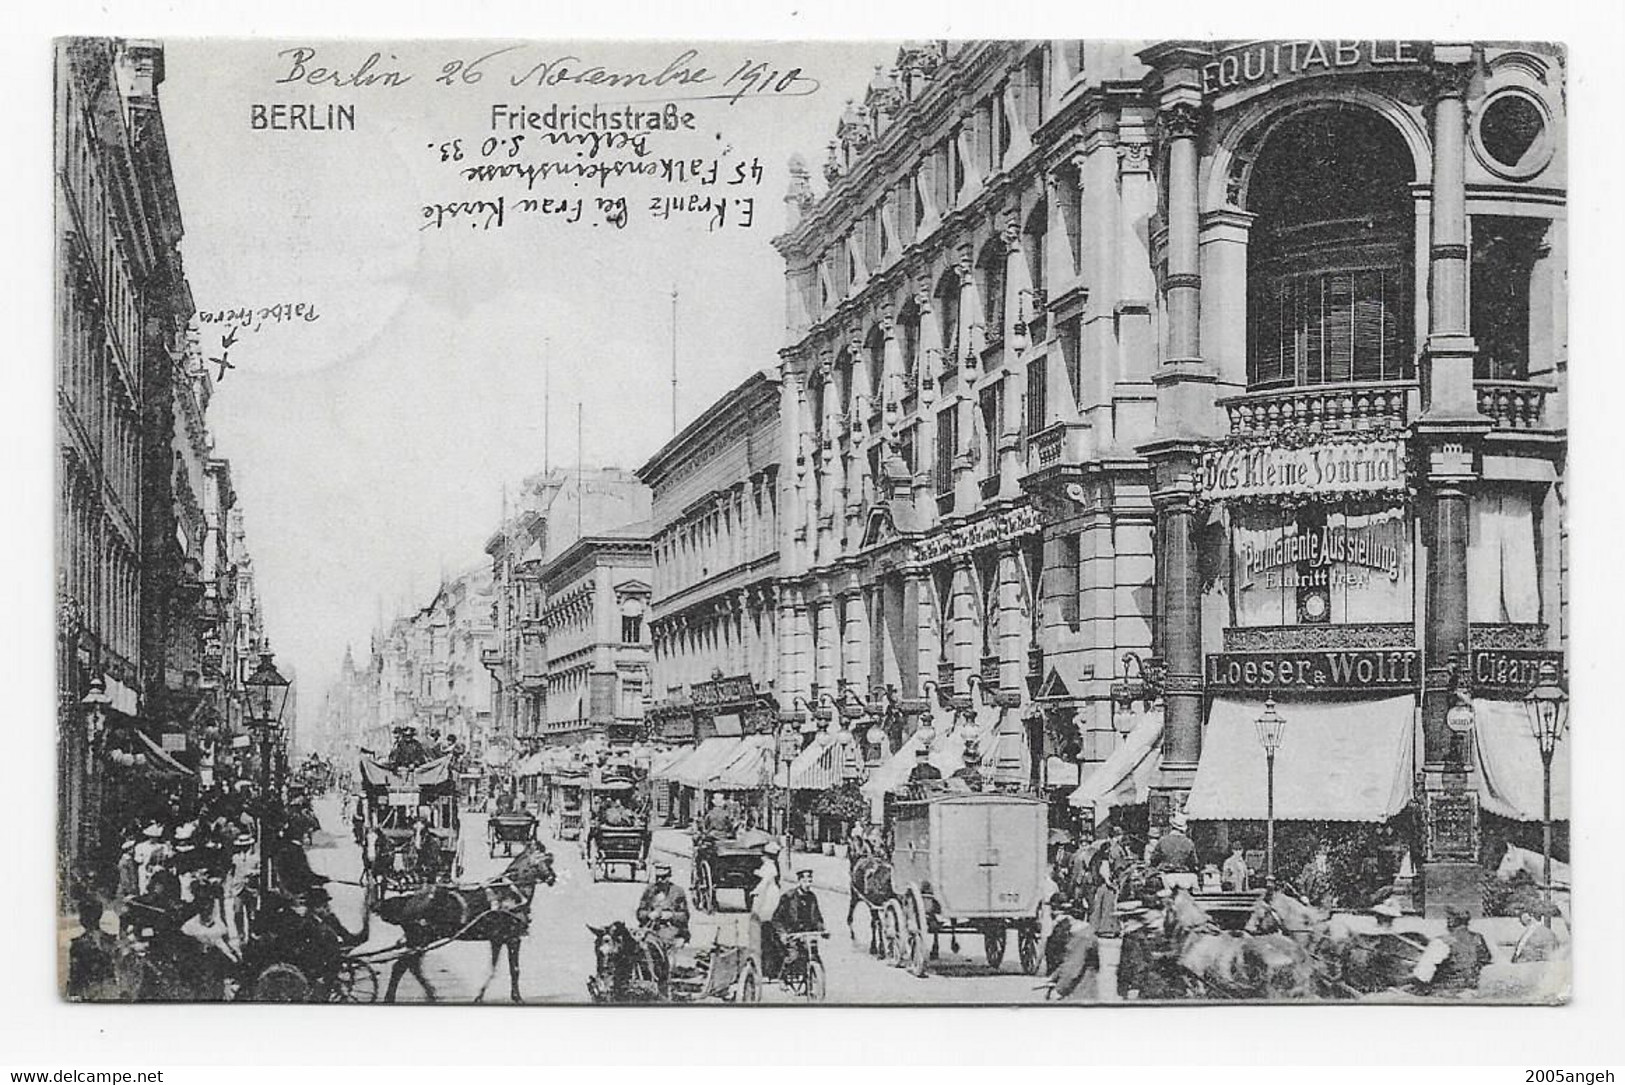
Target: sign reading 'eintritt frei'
[{"x": 1323, "y": 469}]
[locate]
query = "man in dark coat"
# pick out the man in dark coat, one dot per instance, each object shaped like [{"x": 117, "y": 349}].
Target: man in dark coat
[
  {"x": 663, "y": 909},
  {"x": 924, "y": 775},
  {"x": 1175, "y": 852},
  {"x": 91, "y": 957},
  {"x": 798, "y": 912}
]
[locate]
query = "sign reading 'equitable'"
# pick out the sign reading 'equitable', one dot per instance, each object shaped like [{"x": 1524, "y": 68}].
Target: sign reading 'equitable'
[{"x": 1340, "y": 467}]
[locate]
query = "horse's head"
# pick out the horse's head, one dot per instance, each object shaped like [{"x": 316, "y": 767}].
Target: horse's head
[
  {"x": 613, "y": 948},
  {"x": 534, "y": 864},
  {"x": 1511, "y": 863},
  {"x": 1282, "y": 911}
]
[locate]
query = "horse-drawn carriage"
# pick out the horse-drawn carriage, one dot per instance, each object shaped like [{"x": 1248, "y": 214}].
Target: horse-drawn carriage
[
  {"x": 618, "y": 835},
  {"x": 724, "y": 961},
  {"x": 966, "y": 864},
  {"x": 725, "y": 863},
  {"x": 411, "y": 826},
  {"x": 567, "y": 801},
  {"x": 505, "y": 832}
]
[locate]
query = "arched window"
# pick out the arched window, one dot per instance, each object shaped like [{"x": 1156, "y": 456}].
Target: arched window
[
  {"x": 843, "y": 382},
  {"x": 1328, "y": 263},
  {"x": 908, "y": 344}
]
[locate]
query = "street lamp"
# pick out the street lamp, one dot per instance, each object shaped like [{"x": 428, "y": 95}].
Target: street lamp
[
  {"x": 267, "y": 694},
  {"x": 1271, "y": 725},
  {"x": 1547, "y": 706}
]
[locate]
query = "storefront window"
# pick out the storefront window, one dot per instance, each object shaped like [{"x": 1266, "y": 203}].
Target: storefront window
[{"x": 1328, "y": 263}]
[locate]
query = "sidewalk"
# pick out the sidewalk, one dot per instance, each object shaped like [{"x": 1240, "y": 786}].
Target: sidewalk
[{"x": 829, "y": 872}]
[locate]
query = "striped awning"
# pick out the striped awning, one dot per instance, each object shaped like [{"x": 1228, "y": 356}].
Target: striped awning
[
  {"x": 159, "y": 758},
  {"x": 820, "y": 766},
  {"x": 703, "y": 761},
  {"x": 750, "y": 768},
  {"x": 660, "y": 766}
]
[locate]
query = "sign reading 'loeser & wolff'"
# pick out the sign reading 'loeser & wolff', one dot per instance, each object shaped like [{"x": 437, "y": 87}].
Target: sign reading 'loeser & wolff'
[
  {"x": 1324, "y": 469},
  {"x": 1395, "y": 668}
]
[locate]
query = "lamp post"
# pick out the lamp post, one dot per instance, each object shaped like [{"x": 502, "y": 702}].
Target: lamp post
[
  {"x": 1271, "y": 725},
  {"x": 1547, "y": 706},
  {"x": 267, "y": 694}
]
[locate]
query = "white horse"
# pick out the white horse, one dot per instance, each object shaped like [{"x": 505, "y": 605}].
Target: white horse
[{"x": 1533, "y": 864}]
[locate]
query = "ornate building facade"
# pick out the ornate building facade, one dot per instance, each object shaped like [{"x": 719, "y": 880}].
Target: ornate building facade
[
  {"x": 716, "y": 547},
  {"x": 1127, "y": 387},
  {"x": 595, "y": 626},
  {"x": 146, "y": 571}
]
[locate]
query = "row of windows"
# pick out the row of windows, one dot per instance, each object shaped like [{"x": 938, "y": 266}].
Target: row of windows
[
  {"x": 99, "y": 574},
  {"x": 97, "y": 399},
  {"x": 737, "y": 533},
  {"x": 949, "y": 173},
  {"x": 743, "y": 643}
]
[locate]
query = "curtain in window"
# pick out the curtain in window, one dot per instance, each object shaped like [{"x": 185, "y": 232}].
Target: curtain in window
[{"x": 1503, "y": 583}]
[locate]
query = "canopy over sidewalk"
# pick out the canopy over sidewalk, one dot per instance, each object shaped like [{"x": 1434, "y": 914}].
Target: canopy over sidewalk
[
  {"x": 1509, "y": 762},
  {"x": 947, "y": 753},
  {"x": 1337, "y": 762},
  {"x": 701, "y": 764},
  {"x": 1124, "y": 778},
  {"x": 749, "y": 769}
]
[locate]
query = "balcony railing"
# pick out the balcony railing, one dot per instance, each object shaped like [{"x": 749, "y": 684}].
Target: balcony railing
[
  {"x": 1334, "y": 407},
  {"x": 1058, "y": 443},
  {"x": 1512, "y": 404}
]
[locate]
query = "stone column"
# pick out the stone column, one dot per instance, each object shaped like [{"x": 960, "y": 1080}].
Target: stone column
[
  {"x": 925, "y": 431},
  {"x": 964, "y": 639},
  {"x": 1450, "y": 425},
  {"x": 918, "y": 607},
  {"x": 1178, "y": 633},
  {"x": 826, "y": 654},
  {"x": 967, "y": 494},
  {"x": 1183, "y": 281},
  {"x": 1014, "y": 625}
]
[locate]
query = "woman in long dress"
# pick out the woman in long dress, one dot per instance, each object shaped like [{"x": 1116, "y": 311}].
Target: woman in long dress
[{"x": 1109, "y": 865}]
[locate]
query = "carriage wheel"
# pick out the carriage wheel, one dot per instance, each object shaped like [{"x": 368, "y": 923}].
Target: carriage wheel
[
  {"x": 357, "y": 981},
  {"x": 993, "y": 942},
  {"x": 891, "y": 932},
  {"x": 1027, "y": 949},
  {"x": 281, "y": 982},
  {"x": 749, "y": 990},
  {"x": 813, "y": 986},
  {"x": 705, "y": 893}
]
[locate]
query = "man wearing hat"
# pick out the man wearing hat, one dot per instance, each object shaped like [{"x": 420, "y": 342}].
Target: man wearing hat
[
  {"x": 1175, "y": 852},
  {"x": 969, "y": 776},
  {"x": 663, "y": 908},
  {"x": 1536, "y": 943},
  {"x": 924, "y": 775},
  {"x": 798, "y": 911}
]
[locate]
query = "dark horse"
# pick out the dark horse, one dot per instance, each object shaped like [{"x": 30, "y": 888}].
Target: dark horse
[
  {"x": 631, "y": 967},
  {"x": 870, "y": 878},
  {"x": 497, "y": 911}
]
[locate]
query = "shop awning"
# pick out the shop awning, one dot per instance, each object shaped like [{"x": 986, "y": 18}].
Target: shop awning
[
  {"x": 1337, "y": 762},
  {"x": 532, "y": 765},
  {"x": 159, "y": 759},
  {"x": 818, "y": 766},
  {"x": 665, "y": 759},
  {"x": 1509, "y": 762},
  {"x": 704, "y": 761},
  {"x": 749, "y": 769},
  {"x": 1124, "y": 778}
]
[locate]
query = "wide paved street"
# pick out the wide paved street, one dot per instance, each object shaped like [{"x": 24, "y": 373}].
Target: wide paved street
[{"x": 557, "y": 957}]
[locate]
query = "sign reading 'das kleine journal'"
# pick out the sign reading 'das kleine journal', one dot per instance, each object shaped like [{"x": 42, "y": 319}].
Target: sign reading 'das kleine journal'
[{"x": 1324, "y": 470}]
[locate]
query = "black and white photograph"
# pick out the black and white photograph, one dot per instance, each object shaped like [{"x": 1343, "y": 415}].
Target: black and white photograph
[{"x": 870, "y": 522}]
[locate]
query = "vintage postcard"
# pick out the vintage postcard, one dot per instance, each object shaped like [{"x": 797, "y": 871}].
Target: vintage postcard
[{"x": 879, "y": 522}]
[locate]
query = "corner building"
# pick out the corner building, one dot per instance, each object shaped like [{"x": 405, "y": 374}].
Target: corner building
[{"x": 1129, "y": 386}]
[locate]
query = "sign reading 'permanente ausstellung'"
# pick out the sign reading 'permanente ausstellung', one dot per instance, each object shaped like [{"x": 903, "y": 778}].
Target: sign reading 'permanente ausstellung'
[{"x": 1337, "y": 467}]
